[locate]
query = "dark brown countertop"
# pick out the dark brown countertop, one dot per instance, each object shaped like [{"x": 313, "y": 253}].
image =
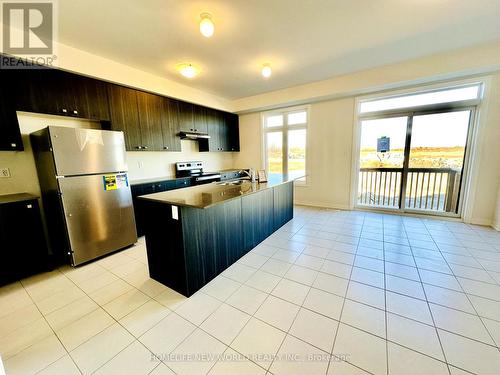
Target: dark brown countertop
[
  {"x": 19, "y": 197},
  {"x": 205, "y": 196}
]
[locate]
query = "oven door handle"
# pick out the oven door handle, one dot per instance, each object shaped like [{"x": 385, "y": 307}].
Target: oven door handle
[{"x": 211, "y": 177}]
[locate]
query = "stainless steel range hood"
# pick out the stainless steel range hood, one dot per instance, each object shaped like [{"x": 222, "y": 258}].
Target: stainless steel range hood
[{"x": 193, "y": 135}]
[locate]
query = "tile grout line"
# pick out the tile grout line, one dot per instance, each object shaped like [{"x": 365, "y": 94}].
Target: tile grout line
[
  {"x": 385, "y": 303},
  {"x": 473, "y": 306},
  {"x": 199, "y": 326},
  {"x": 371, "y": 257},
  {"x": 101, "y": 307},
  {"x": 294, "y": 319},
  {"x": 54, "y": 332},
  {"x": 310, "y": 286},
  {"x": 342, "y": 308},
  {"x": 430, "y": 311}
]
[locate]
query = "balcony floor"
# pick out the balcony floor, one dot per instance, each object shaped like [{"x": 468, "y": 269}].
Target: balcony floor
[{"x": 382, "y": 293}]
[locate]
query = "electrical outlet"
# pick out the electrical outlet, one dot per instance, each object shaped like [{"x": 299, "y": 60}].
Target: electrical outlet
[{"x": 4, "y": 172}]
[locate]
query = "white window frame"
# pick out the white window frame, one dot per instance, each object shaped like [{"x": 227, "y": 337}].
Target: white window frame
[
  {"x": 284, "y": 129},
  {"x": 472, "y": 159}
]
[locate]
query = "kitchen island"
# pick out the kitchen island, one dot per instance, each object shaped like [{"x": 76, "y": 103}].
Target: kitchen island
[{"x": 194, "y": 234}]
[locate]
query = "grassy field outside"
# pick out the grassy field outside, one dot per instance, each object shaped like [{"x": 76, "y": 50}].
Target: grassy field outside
[
  {"x": 420, "y": 157},
  {"x": 296, "y": 160}
]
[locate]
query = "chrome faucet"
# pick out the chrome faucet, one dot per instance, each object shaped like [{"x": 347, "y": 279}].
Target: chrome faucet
[{"x": 250, "y": 173}]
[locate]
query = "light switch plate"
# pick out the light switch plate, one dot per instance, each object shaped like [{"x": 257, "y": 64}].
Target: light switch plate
[{"x": 4, "y": 172}]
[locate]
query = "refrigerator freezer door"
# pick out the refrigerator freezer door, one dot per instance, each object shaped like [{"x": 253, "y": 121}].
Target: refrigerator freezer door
[
  {"x": 99, "y": 214},
  {"x": 87, "y": 151}
]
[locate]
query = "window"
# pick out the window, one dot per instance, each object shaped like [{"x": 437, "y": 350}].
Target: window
[
  {"x": 285, "y": 138},
  {"x": 415, "y": 159},
  {"x": 449, "y": 95}
]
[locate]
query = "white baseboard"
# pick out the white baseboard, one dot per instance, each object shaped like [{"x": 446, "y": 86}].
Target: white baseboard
[
  {"x": 480, "y": 221},
  {"x": 322, "y": 205},
  {"x": 496, "y": 226}
]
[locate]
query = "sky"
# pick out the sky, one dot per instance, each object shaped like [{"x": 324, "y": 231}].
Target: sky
[{"x": 436, "y": 130}]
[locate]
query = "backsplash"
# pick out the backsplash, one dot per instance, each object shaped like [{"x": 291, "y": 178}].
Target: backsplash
[{"x": 160, "y": 164}]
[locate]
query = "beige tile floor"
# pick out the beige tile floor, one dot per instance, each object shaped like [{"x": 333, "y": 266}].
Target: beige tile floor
[{"x": 329, "y": 293}]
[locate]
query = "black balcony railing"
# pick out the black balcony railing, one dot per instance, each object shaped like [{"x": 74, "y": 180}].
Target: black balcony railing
[{"x": 429, "y": 189}]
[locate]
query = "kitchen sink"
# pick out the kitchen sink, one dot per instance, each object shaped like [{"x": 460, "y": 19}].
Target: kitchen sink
[{"x": 227, "y": 183}]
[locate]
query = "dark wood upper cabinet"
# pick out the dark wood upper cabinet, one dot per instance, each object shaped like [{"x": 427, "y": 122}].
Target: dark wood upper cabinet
[
  {"x": 200, "y": 119},
  {"x": 150, "y": 122},
  {"x": 233, "y": 131},
  {"x": 171, "y": 125},
  {"x": 214, "y": 130},
  {"x": 61, "y": 93},
  {"x": 186, "y": 118},
  {"x": 124, "y": 115},
  {"x": 151, "y": 115},
  {"x": 10, "y": 135},
  {"x": 96, "y": 99},
  {"x": 38, "y": 91},
  {"x": 223, "y": 131}
]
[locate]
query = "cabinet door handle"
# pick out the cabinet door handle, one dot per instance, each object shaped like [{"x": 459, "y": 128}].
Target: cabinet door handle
[
  {"x": 75, "y": 112},
  {"x": 138, "y": 147},
  {"x": 13, "y": 145},
  {"x": 145, "y": 147},
  {"x": 29, "y": 206},
  {"x": 64, "y": 110},
  {"x": 165, "y": 147}
]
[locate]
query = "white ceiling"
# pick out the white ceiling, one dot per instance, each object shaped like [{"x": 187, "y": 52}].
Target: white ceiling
[{"x": 304, "y": 40}]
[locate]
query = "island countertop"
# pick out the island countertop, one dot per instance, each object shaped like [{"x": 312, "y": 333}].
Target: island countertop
[{"x": 205, "y": 196}]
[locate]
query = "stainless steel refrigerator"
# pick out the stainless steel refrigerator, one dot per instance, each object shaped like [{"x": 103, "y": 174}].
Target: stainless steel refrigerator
[{"x": 85, "y": 191}]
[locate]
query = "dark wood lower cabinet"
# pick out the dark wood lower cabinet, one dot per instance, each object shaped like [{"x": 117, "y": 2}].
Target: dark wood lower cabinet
[
  {"x": 24, "y": 250},
  {"x": 257, "y": 217},
  {"x": 187, "y": 252},
  {"x": 283, "y": 211},
  {"x": 150, "y": 188},
  {"x": 212, "y": 241}
]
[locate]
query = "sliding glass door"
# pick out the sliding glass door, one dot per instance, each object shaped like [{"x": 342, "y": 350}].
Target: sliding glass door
[
  {"x": 414, "y": 162},
  {"x": 382, "y": 158},
  {"x": 436, "y": 161}
]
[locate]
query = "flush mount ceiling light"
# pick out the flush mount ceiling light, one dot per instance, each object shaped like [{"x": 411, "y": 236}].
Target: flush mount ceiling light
[
  {"x": 207, "y": 26},
  {"x": 266, "y": 70},
  {"x": 188, "y": 70}
]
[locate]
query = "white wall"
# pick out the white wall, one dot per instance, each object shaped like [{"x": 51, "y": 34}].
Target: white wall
[
  {"x": 496, "y": 224},
  {"x": 141, "y": 164},
  {"x": 330, "y": 142},
  {"x": 159, "y": 164}
]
